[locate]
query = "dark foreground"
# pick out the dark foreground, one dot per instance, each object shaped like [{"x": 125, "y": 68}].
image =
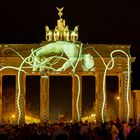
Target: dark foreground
[{"x": 71, "y": 131}]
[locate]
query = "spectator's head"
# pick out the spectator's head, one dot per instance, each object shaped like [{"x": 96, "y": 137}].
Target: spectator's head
[
  {"x": 61, "y": 124},
  {"x": 131, "y": 120},
  {"x": 61, "y": 137}
]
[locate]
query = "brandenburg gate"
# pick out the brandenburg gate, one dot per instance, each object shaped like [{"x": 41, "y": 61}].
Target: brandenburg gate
[{"x": 61, "y": 54}]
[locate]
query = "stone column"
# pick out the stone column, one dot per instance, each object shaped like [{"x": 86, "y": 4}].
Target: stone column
[
  {"x": 44, "y": 99},
  {"x": 131, "y": 105},
  {"x": 123, "y": 98},
  {"x": 99, "y": 96},
  {"x": 137, "y": 103},
  {"x": 20, "y": 117},
  {"x": 120, "y": 95},
  {"x": 76, "y": 87},
  {"x": 0, "y": 98}
]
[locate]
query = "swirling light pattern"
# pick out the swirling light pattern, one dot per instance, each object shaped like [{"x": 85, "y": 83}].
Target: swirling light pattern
[{"x": 104, "y": 79}]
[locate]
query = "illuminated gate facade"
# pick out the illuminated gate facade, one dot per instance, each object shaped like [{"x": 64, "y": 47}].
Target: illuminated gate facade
[
  {"x": 99, "y": 60},
  {"x": 120, "y": 70}
]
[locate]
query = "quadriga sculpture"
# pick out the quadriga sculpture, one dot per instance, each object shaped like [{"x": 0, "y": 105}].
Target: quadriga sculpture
[{"x": 73, "y": 53}]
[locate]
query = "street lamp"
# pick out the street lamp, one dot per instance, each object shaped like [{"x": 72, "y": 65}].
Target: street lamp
[
  {"x": 118, "y": 98},
  {"x": 13, "y": 118}
]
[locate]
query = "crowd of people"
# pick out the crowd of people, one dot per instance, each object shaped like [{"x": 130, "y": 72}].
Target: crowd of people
[{"x": 113, "y": 130}]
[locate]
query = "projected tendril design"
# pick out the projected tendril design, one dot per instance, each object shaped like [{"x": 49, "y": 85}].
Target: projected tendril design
[
  {"x": 108, "y": 67},
  {"x": 40, "y": 59}
]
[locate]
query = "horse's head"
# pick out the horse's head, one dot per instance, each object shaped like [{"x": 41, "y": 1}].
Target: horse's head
[
  {"x": 76, "y": 28},
  {"x": 88, "y": 62}
]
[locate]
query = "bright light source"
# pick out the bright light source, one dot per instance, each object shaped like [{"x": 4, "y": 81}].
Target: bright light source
[
  {"x": 13, "y": 116},
  {"x": 118, "y": 98}
]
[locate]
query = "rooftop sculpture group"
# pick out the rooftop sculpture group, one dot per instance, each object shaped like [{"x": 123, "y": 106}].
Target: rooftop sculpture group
[{"x": 61, "y": 31}]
